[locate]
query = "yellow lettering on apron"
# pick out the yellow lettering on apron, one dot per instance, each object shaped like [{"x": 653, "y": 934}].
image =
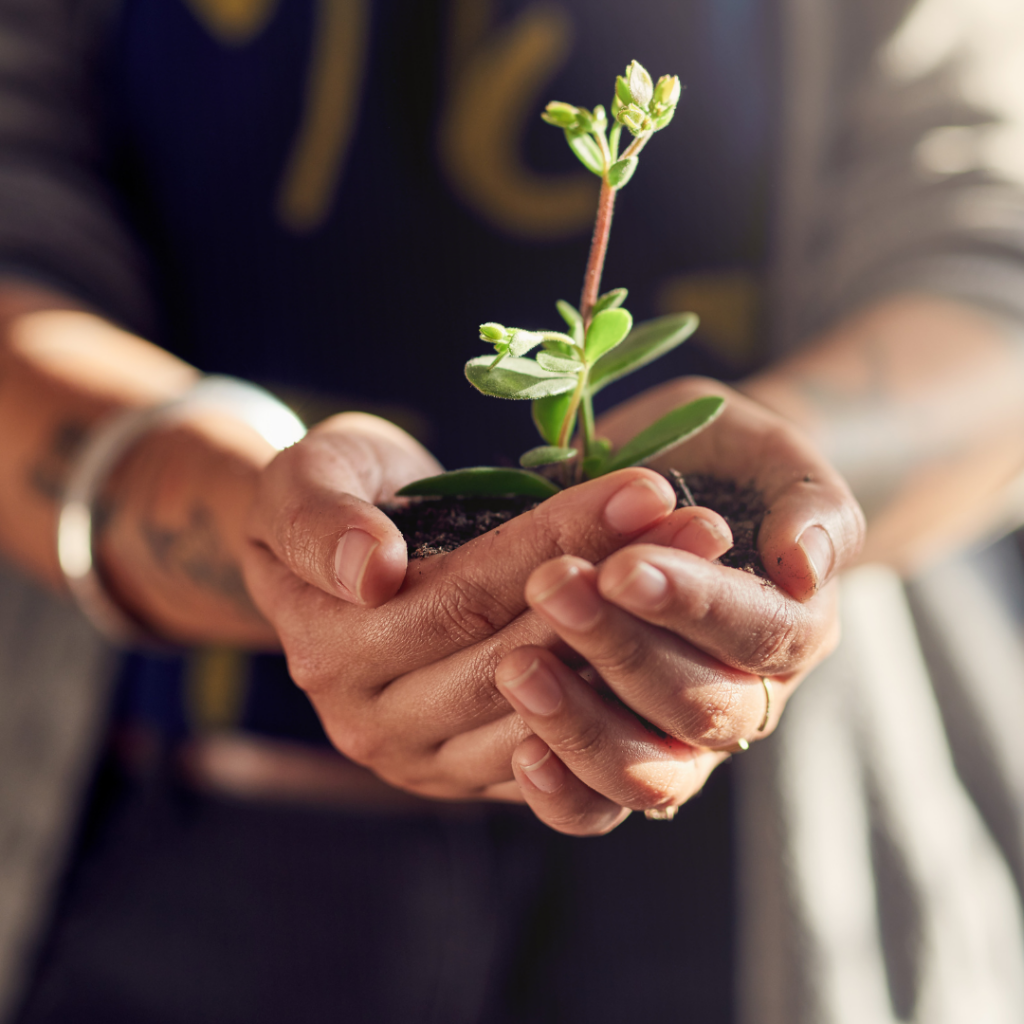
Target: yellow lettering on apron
[
  {"x": 729, "y": 304},
  {"x": 495, "y": 89},
  {"x": 233, "y": 22},
  {"x": 333, "y": 87},
  {"x": 216, "y": 681}
]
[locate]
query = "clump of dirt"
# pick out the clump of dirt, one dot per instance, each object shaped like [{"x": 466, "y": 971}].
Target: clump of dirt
[
  {"x": 740, "y": 505},
  {"x": 433, "y": 526}
]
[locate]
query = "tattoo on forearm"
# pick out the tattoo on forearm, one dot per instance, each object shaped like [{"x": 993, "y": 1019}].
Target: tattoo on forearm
[
  {"x": 197, "y": 552},
  {"x": 48, "y": 476}
]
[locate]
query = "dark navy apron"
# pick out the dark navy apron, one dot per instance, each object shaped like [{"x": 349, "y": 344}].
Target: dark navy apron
[{"x": 333, "y": 194}]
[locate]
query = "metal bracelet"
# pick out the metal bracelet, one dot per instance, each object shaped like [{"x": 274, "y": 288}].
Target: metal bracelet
[{"x": 109, "y": 442}]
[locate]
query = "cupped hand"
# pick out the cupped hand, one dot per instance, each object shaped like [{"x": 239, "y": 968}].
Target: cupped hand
[
  {"x": 399, "y": 662},
  {"x": 677, "y": 644}
]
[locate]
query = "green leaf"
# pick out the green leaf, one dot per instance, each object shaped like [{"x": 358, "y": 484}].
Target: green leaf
[
  {"x": 558, "y": 363},
  {"x": 516, "y": 379},
  {"x": 672, "y": 429},
  {"x": 621, "y": 171},
  {"x": 560, "y": 348},
  {"x": 648, "y": 341},
  {"x": 607, "y": 330},
  {"x": 549, "y": 415},
  {"x": 490, "y": 481},
  {"x": 587, "y": 150},
  {"x": 522, "y": 342},
  {"x": 571, "y": 315},
  {"x": 664, "y": 120},
  {"x": 610, "y": 300},
  {"x": 545, "y": 455}
]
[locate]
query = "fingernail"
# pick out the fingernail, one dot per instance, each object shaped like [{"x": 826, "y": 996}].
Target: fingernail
[
  {"x": 702, "y": 537},
  {"x": 547, "y": 774},
  {"x": 571, "y": 602},
  {"x": 351, "y": 558},
  {"x": 816, "y": 545},
  {"x": 644, "y": 588},
  {"x": 536, "y": 690},
  {"x": 637, "y": 506}
]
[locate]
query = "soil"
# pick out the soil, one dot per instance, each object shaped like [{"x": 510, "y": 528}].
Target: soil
[{"x": 433, "y": 526}]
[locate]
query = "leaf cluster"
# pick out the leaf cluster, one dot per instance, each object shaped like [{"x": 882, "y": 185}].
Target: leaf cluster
[
  {"x": 638, "y": 105},
  {"x": 560, "y": 371}
]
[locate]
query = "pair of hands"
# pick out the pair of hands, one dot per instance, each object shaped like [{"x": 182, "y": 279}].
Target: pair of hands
[{"x": 527, "y": 664}]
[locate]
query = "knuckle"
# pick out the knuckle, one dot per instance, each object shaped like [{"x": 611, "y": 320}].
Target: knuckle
[
  {"x": 466, "y": 613},
  {"x": 585, "y": 742},
  {"x": 359, "y": 741},
  {"x": 780, "y": 643},
  {"x": 708, "y": 719},
  {"x": 561, "y": 530},
  {"x": 309, "y": 666},
  {"x": 629, "y": 657},
  {"x": 650, "y": 793},
  {"x": 296, "y": 546}
]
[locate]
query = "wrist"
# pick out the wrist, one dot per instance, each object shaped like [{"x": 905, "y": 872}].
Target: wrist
[
  {"x": 169, "y": 534},
  {"x": 152, "y": 528}
]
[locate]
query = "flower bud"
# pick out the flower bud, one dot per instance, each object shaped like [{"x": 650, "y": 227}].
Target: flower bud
[
  {"x": 635, "y": 119},
  {"x": 667, "y": 92},
  {"x": 584, "y": 120},
  {"x": 600, "y": 117},
  {"x": 562, "y": 115},
  {"x": 492, "y": 332},
  {"x": 641, "y": 88}
]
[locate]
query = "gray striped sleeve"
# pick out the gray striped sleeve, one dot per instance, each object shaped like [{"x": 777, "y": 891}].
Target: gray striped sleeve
[
  {"x": 920, "y": 159},
  {"x": 58, "y": 220}
]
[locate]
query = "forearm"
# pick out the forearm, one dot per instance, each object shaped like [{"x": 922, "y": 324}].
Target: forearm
[
  {"x": 918, "y": 403},
  {"x": 173, "y": 511}
]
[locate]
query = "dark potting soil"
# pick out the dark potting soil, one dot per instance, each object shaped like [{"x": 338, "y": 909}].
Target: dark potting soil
[{"x": 432, "y": 526}]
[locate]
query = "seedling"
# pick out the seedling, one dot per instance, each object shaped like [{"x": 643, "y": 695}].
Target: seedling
[{"x": 600, "y": 344}]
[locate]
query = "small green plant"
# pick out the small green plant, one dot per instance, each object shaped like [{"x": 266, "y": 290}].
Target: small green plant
[{"x": 601, "y": 343}]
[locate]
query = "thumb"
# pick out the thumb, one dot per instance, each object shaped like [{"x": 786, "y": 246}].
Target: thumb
[
  {"x": 315, "y": 507},
  {"x": 814, "y": 531}
]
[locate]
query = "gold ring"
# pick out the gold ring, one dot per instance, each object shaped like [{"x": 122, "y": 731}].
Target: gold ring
[
  {"x": 765, "y": 682},
  {"x": 660, "y": 813}
]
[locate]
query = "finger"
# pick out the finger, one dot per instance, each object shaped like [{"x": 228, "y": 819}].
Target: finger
[
  {"x": 659, "y": 675},
  {"x": 469, "y": 762},
  {"x": 506, "y": 792},
  {"x": 602, "y": 743},
  {"x": 316, "y": 512},
  {"x": 814, "y": 527},
  {"x": 446, "y": 698},
  {"x": 559, "y": 798},
  {"x": 450, "y": 602},
  {"x": 733, "y": 616},
  {"x": 701, "y": 531}
]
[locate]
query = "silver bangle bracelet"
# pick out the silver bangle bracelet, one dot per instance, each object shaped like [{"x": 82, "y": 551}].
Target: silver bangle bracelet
[{"x": 109, "y": 442}]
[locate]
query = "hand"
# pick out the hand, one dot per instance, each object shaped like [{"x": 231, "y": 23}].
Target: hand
[
  {"x": 675, "y": 638},
  {"x": 400, "y": 664}
]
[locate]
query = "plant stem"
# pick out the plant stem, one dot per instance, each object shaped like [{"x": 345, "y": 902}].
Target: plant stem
[
  {"x": 598, "y": 251},
  {"x": 581, "y": 400},
  {"x": 574, "y": 405},
  {"x": 587, "y": 421}
]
